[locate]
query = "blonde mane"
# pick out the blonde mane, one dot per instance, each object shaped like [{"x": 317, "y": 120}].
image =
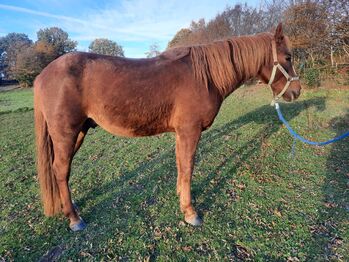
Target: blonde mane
[{"x": 227, "y": 62}]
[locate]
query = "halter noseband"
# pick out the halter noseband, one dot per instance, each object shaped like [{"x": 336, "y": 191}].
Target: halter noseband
[{"x": 283, "y": 71}]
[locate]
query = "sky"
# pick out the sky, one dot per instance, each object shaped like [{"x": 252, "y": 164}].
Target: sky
[{"x": 134, "y": 24}]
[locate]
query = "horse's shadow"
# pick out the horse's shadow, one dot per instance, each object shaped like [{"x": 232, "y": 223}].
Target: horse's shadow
[
  {"x": 329, "y": 230},
  {"x": 128, "y": 198}
]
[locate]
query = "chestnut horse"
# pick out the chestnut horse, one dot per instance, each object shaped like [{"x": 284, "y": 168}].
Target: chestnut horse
[{"x": 179, "y": 91}]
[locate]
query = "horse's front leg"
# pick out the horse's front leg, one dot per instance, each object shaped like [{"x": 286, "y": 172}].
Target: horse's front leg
[{"x": 186, "y": 142}]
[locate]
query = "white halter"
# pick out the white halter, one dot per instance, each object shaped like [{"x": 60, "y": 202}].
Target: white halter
[{"x": 283, "y": 71}]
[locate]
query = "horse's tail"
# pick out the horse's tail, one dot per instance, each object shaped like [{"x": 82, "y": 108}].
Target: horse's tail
[{"x": 45, "y": 155}]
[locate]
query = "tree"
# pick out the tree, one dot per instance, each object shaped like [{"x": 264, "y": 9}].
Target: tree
[
  {"x": 305, "y": 37},
  {"x": 10, "y": 46},
  {"x": 338, "y": 27},
  {"x": 3, "y": 65},
  {"x": 30, "y": 62},
  {"x": 195, "y": 34},
  {"x": 105, "y": 46},
  {"x": 27, "y": 66},
  {"x": 198, "y": 26},
  {"x": 199, "y": 33},
  {"x": 271, "y": 13},
  {"x": 44, "y": 54},
  {"x": 52, "y": 42},
  {"x": 31, "y": 59},
  {"x": 219, "y": 27},
  {"x": 180, "y": 38},
  {"x": 58, "y": 39},
  {"x": 153, "y": 51},
  {"x": 233, "y": 21}
]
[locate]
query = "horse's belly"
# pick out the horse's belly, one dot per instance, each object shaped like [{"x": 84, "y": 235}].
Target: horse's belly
[
  {"x": 132, "y": 127},
  {"x": 117, "y": 130},
  {"x": 136, "y": 116}
]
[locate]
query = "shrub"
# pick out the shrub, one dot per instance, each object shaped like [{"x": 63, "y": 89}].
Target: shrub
[{"x": 312, "y": 77}]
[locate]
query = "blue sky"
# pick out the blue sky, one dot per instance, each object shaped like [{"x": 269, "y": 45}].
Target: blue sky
[{"x": 135, "y": 24}]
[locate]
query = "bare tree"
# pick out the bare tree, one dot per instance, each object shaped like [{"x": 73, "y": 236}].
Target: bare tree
[
  {"x": 154, "y": 50},
  {"x": 237, "y": 20}
]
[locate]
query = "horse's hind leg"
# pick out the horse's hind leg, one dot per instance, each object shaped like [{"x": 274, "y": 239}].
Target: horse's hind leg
[
  {"x": 186, "y": 143},
  {"x": 79, "y": 140},
  {"x": 64, "y": 140},
  {"x": 89, "y": 123}
]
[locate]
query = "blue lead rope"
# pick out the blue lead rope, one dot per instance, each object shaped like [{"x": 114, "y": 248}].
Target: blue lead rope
[{"x": 300, "y": 138}]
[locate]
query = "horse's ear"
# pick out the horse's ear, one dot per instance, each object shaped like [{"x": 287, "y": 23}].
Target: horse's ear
[{"x": 279, "y": 34}]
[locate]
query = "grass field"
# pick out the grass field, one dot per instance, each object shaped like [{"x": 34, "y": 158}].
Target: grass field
[{"x": 258, "y": 202}]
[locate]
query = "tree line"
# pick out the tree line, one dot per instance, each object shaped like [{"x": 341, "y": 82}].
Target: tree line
[
  {"x": 318, "y": 31},
  {"x": 22, "y": 59}
]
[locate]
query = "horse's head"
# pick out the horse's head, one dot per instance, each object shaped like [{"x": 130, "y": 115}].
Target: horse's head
[{"x": 280, "y": 73}]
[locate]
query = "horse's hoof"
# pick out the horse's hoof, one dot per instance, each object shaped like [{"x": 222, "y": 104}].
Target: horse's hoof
[
  {"x": 81, "y": 225},
  {"x": 194, "y": 220}
]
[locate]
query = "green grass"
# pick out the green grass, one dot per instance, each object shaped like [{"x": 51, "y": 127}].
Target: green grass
[
  {"x": 16, "y": 100},
  {"x": 258, "y": 202}
]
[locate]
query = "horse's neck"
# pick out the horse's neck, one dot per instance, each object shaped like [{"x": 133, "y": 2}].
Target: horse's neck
[
  {"x": 248, "y": 72},
  {"x": 234, "y": 87}
]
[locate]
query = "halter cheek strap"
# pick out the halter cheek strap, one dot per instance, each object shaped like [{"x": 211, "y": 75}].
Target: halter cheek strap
[{"x": 283, "y": 71}]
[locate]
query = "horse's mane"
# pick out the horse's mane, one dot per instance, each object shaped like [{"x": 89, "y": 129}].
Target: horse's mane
[{"x": 229, "y": 61}]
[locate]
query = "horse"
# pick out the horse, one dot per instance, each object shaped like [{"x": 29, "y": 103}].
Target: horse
[{"x": 179, "y": 91}]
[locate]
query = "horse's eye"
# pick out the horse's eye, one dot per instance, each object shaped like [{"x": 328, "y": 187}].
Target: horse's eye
[{"x": 288, "y": 58}]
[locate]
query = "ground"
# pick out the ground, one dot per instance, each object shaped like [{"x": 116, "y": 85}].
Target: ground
[{"x": 259, "y": 202}]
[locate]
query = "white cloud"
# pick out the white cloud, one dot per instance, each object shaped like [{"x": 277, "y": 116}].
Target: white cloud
[
  {"x": 139, "y": 20},
  {"x": 34, "y": 12},
  {"x": 136, "y": 21}
]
